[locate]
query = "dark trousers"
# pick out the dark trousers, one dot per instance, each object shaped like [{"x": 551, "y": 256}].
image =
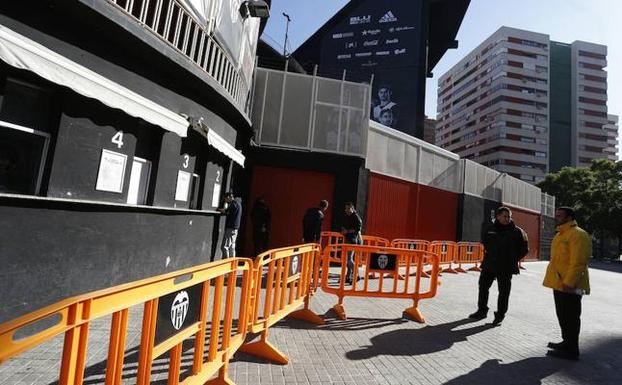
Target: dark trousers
[
  {"x": 568, "y": 310},
  {"x": 260, "y": 239},
  {"x": 504, "y": 282}
]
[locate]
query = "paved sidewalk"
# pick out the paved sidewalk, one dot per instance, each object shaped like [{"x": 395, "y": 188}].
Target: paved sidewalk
[{"x": 376, "y": 346}]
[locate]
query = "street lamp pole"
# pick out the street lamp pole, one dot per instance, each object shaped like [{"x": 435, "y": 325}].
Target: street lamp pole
[{"x": 286, "y": 33}]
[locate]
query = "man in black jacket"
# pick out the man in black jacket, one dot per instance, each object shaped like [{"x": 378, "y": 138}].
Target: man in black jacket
[
  {"x": 312, "y": 222},
  {"x": 351, "y": 230},
  {"x": 233, "y": 212},
  {"x": 261, "y": 217},
  {"x": 505, "y": 244}
]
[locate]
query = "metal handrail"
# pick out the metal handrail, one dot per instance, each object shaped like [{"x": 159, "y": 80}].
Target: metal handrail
[{"x": 171, "y": 22}]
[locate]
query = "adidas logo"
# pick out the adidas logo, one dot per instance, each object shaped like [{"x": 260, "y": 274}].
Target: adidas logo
[{"x": 388, "y": 17}]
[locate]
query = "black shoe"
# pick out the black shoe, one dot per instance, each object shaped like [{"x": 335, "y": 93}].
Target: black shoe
[
  {"x": 480, "y": 314},
  {"x": 498, "y": 319},
  {"x": 564, "y": 354},
  {"x": 556, "y": 345}
]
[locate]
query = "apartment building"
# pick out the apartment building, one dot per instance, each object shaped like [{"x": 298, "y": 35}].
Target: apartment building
[
  {"x": 612, "y": 129},
  {"x": 517, "y": 93}
]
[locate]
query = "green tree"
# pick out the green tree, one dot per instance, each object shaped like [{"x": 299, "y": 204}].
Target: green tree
[{"x": 596, "y": 195}]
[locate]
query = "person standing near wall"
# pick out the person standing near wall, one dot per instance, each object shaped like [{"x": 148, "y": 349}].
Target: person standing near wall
[
  {"x": 233, "y": 212},
  {"x": 504, "y": 244},
  {"x": 351, "y": 230},
  {"x": 312, "y": 222},
  {"x": 261, "y": 219},
  {"x": 567, "y": 274}
]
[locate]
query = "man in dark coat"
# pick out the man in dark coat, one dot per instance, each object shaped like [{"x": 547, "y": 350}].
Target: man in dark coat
[
  {"x": 351, "y": 230},
  {"x": 233, "y": 212},
  {"x": 505, "y": 244},
  {"x": 312, "y": 222},
  {"x": 261, "y": 217}
]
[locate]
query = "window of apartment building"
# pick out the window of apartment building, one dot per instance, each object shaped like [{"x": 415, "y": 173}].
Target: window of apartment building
[
  {"x": 597, "y": 102},
  {"x": 593, "y": 137},
  {"x": 592, "y": 55},
  {"x": 592, "y": 124},
  {"x": 595, "y": 90},
  {"x": 541, "y": 69},
  {"x": 593, "y": 78},
  {"x": 540, "y": 154},
  {"x": 598, "y": 150},
  {"x": 529, "y": 178},
  {"x": 590, "y": 66},
  {"x": 525, "y": 42},
  {"x": 593, "y": 113}
]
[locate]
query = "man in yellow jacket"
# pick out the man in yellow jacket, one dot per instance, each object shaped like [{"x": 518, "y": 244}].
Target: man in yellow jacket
[{"x": 567, "y": 275}]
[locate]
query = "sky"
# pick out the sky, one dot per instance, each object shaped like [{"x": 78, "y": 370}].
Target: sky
[{"x": 595, "y": 21}]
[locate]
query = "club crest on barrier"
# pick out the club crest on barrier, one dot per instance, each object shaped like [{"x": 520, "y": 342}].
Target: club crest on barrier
[
  {"x": 179, "y": 309},
  {"x": 294, "y": 264},
  {"x": 383, "y": 261}
]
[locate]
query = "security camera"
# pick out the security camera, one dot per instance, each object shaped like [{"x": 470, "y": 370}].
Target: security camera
[{"x": 255, "y": 8}]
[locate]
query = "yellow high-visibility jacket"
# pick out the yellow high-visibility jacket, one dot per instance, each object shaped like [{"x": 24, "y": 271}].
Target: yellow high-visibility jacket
[{"x": 570, "y": 253}]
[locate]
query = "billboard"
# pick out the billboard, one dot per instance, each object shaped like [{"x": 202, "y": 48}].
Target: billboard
[{"x": 383, "y": 39}]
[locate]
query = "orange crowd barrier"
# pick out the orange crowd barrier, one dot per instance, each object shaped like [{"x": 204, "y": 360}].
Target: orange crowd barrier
[
  {"x": 286, "y": 276},
  {"x": 384, "y": 261},
  {"x": 370, "y": 240},
  {"x": 173, "y": 312},
  {"x": 446, "y": 250},
  {"x": 331, "y": 238},
  {"x": 469, "y": 253},
  {"x": 411, "y": 244}
]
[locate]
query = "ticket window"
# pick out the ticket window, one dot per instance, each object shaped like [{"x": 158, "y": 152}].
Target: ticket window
[
  {"x": 139, "y": 181},
  {"x": 187, "y": 189},
  {"x": 22, "y": 159},
  {"x": 25, "y": 111}
]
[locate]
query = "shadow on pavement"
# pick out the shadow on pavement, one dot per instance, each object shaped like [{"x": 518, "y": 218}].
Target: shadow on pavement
[
  {"x": 332, "y": 323},
  {"x": 614, "y": 266},
  {"x": 598, "y": 365},
  {"x": 428, "y": 339}
]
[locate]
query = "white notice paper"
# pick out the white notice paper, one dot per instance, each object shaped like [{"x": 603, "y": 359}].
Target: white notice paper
[
  {"x": 183, "y": 186},
  {"x": 111, "y": 171},
  {"x": 216, "y": 195}
]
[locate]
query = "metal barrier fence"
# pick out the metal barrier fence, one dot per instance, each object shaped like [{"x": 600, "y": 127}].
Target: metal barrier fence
[
  {"x": 446, "y": 250},
  {"x": 469, "y": 252},
  {"x": 286, "y": 274},
  {"x": 173, "y": 312},
  {"x": 411, "y": 244},
  {"x": 384, "y": 261}
]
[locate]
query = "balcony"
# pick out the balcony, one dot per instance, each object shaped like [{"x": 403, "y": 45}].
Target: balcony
[
  {"x": 172, "y": 23},
  {"x": 310, "y": 113}
]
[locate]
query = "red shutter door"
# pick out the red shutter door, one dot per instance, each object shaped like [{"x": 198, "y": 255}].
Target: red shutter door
[{"x": 288, "y": 192}]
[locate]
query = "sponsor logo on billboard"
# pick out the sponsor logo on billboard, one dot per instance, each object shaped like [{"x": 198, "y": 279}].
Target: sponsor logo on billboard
[
  {"x": 401, "y": 51},
  {"x": 370, "y": 32},
  {"x": 392, "y": 41},
  {"x": 383, "y": 53},
  {"x": 369, "y": 64},
  {"x": 343, "y": 35},
  {"x": 363, "y": 54},
  {"x": 344, "y": 56},
  {"x": 369, "y": 43},
  {"x": 388, "y": 17},
  {"x": 360, "y": 20},
  {"x": 351, "y": 44},
  {"x": 400, "y": 29}
]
